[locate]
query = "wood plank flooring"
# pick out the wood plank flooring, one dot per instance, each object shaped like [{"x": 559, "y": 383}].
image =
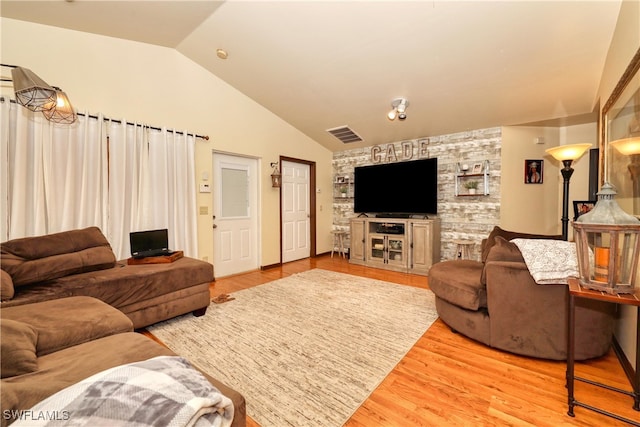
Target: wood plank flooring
[{"x": 447, "y": 379}]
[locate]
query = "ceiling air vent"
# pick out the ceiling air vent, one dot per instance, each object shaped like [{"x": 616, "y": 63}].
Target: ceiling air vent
[{"x": 344, "y": 134}]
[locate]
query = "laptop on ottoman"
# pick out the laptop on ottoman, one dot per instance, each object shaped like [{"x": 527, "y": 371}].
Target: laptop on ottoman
[{"x": 150, "y": 243}]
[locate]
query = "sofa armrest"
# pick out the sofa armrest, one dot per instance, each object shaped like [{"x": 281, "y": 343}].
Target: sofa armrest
[
  {"x": 7, "y": 290},
  {"x": 65, "y": 322},
  {"x": 531, "y": 319},
  {"x": 526, "y": 318}
]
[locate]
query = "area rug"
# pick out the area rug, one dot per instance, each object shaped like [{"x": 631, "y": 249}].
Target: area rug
[{"x": 308, "y": 349}]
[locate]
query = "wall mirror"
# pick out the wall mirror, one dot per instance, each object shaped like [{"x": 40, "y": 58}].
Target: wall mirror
[{"x": 620, "y": 138}]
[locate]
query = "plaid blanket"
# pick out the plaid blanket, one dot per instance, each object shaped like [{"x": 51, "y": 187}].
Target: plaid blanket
[{"x": 163, "y": 391}]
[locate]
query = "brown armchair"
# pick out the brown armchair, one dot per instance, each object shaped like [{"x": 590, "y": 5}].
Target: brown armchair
[{"x": 497, "y": 302}]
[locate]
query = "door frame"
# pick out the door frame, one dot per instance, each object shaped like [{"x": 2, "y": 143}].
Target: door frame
[{"x": 312, "y": 203}]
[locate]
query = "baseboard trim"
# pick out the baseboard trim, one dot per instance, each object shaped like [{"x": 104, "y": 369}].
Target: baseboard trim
[
  {"x": 624, "y": 362},
  {"x": 270, "y": 266}
]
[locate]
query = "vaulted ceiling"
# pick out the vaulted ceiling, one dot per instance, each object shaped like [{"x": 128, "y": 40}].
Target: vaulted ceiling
[{"x": 319, "y": 65}]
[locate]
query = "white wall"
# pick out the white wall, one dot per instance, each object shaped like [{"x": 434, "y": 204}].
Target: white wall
[
  {"x": 160, "y": 87},
  {"x": 625, "y": 43},
  {"x": 537, "y": 208}
]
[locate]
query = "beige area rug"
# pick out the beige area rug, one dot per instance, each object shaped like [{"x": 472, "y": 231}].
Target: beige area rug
[{"x": 306, "y": 350}]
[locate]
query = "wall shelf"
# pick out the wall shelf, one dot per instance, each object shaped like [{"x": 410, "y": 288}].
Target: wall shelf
[
  {"x": 343, "y": 188},
  {"x": 478, "y": 172}
]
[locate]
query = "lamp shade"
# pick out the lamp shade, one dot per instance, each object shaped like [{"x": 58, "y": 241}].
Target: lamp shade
[
  {"x": 62, "y": 111},
  {"x": 568, "y": 152},
  {"x": 31, "y": 91},
  {"x": 627, "y": 146}
]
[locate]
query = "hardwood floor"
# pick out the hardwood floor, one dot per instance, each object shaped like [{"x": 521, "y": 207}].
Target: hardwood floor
[{"x": 448, "y": 379}]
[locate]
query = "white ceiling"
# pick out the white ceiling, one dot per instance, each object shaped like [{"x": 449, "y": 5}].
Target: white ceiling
[{"x": 318, "y": 65}]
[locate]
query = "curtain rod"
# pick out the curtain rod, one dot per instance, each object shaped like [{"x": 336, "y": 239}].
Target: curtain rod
[{"x": 205, "y": 137}]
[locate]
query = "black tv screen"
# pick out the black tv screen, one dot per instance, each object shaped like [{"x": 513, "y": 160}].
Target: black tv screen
[{"x": 409, "y": 187}]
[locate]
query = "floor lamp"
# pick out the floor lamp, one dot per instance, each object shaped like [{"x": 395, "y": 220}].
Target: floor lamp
[{"x": 567, "y": 154}]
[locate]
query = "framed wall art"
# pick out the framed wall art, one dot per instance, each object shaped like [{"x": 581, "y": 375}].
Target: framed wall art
[
  {"x": 533, "y": 171},
  {"x": 581, "y": 207}
]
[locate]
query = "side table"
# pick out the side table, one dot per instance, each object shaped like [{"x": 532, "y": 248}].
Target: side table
[
  {"x": 577, "y": 291},
  {"x": 338, "y": 240}
]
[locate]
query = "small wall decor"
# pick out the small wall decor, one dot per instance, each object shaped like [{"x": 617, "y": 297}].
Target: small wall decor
[
  {"x": 581, "y": 207},
  {"x": 477, "y": 168},
  {"x": 533, "y": 171}
]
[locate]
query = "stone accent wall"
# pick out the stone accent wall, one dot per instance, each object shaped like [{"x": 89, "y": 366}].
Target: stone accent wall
[{"x": 462, "y": 218}]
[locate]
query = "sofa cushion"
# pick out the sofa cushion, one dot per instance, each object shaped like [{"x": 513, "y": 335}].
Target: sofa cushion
[
  {"x": 509, "y": 235},
  {"x": 502, "y": 250},
  {"x": 17, "y": 348},
  {"x": 6, "y": 286},
  {"x": 124, "y": 285},
  {"x": 458, "y": 282},
  {"x": 90, "y": 319},
  {"x": 38, "y": 259}
]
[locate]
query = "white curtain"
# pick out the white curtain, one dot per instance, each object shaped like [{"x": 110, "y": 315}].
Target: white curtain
[
  {"x": 116, "y": 176},
  {"x": 54, "y": 177},
  {"x": 128, "y": 172},
  {"x": 75, "y": 171},
  {"x": 173, "y": 188},
  {"x": 152, "y": 186}
]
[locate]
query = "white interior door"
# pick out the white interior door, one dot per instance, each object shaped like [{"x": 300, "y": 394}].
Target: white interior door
[
  {"x": 295, "y": 211},
  {"x": 235, "y": 214}
]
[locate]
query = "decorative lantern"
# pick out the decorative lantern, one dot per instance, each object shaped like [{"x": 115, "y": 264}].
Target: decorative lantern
[
  {"x": 275, "y": 176},
  {"x": 608, "y": 246}
]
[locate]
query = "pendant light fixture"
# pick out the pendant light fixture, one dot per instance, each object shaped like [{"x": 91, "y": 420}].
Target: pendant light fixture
[
  {"x": 36, "y": 95},
  {"x": 31, "y": 91},
  {"x": 62, "y": 112}
]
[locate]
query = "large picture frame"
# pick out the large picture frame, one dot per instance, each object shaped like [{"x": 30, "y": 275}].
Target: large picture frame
[
  {"x": 581, "y": 207},
  {"x": 619, "y": 121}
]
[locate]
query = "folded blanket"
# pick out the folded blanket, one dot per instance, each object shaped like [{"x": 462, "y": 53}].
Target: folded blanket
[
  {"x": 163, "y": 391},
  {"x": 549, "y": 261}
]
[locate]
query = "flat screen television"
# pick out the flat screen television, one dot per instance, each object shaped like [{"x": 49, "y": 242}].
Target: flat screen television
[{"x": 400, "y": 189}]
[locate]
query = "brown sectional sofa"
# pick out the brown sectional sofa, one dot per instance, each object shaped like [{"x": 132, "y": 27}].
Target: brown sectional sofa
[
  {"x": 497, "y": 302},
  {"x": 50, "y": 345},
  {"x": 69, "y": 311},
  {"x": 82, "y": 263}
]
